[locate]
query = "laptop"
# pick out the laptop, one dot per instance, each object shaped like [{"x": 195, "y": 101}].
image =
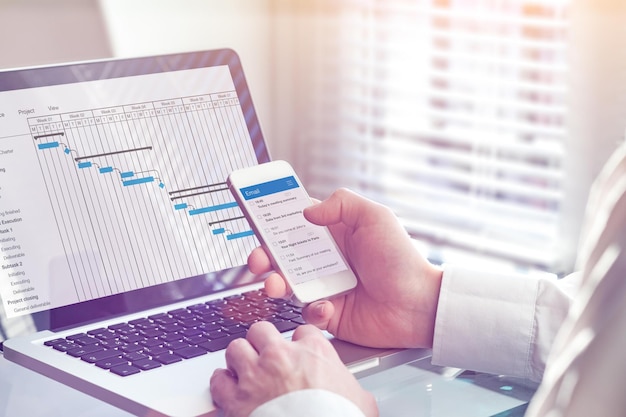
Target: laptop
[{"x": 122, "y": 251}]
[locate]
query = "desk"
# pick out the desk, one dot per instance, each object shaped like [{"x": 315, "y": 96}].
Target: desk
[
  {"x": 415, "y": 389},
  {"x": 420, "y": 389}
]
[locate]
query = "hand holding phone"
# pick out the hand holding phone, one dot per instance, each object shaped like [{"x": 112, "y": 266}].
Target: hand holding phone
[{"x": 272, "y": 198}]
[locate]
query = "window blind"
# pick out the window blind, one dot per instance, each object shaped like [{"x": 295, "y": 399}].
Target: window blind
[{"x": 452, "y": 113}]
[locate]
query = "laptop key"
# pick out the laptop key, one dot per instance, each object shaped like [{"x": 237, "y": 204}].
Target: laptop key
[
  {"x": 298, "y": 320},
  {"x": 175, "y": 345},
  {"x": 135, "y": 356},
  {"x": 54, "y": 342},
  {"x": 209, "y": 327},
  {"x": 97, "y": 331},
  {"x": 168, "y": 358},
  {"x": 284, "y": 326},
  {"x": 236, "y": 328},
  {"x": 64, "y": 346},
  {"x": 111, "y": 362},
  {"x": 190, "y": 352},
  {"x": 86, "y": 340},
  {"x": 171, "y": 337},
  {"x": 112, "y": 343},
  {"x": 108, "y": 335},
  {"x": 120, "y": 326},
  {"x": 100, "y": 355},
  {"x": 139, "y": 322},
  {"x": 221, "y": 343},
  {"x": 155, "y": 351},
  {"x": 132, "y": 347},
  {"x": 84, "y": 350},
  {"x": 132, "y": 338},
  {"x": 146, "y": 364},
  {"x": 125, "y": 370},
  {"x": 151, "y": 342},
  {"x": 289, "y": 315},
  {"x": 195, "y": 340},
  {"x": 191, "y": 332},
  {"x": 151, "y": 332}
]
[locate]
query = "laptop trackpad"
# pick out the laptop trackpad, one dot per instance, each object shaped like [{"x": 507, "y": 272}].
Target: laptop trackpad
[{"x": 362, "y": 360}]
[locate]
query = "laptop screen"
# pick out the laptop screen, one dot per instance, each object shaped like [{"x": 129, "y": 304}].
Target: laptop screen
[{"x": 112, "y": 184}]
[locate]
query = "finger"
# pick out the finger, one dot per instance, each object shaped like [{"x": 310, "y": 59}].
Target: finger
[
  {"x": 306, "y": 330},
  {"x": 263, "y": 334},
  {"x": 240, "y": 356},
  {"x": 223, "y": 386},
  {"x": 319, "y": 313},
  {"x": 275, "y": 286},
  {"x": 259, "y": 262},
  {"x": 344, "y": 206},
  {"x": 313, "y": 338}
]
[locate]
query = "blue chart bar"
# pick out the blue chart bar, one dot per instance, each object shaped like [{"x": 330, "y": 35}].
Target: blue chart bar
[
  {"x": 67, "y": 151},
  {"x": 104, "y": 170},
  {"x": 240, "y": 235},
  {"x": 212, "y": 208},
  {"x": 180, "y": 206},
  {"x": 161, "y": 185},
  {"x": 84, "y": 165},
  {"x": 138, "y": 181},
  {"x": 127, "y": 174},
  {"x": 48, "y": 145},
  {"x": 219, "y": 231}
]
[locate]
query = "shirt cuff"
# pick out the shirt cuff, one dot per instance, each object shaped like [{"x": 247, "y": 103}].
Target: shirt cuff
[
  {"x": 308, "y": 403},
  {"x": 485, "y": 321}
]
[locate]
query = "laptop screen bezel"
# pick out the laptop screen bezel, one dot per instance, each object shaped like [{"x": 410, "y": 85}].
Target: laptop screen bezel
[{"x": 183, "y": 289}]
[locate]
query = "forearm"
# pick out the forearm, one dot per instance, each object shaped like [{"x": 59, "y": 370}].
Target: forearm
[{"x": 499, "y": 323}]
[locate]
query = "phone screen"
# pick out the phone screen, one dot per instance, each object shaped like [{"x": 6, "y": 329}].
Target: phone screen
[{"x": 303, "y": 251}]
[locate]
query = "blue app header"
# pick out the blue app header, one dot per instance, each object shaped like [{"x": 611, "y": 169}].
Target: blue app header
[{"x": 270, "y": 187}]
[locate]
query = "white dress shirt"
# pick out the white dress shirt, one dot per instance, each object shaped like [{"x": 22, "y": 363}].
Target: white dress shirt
[
  {"x": 586, "y": 372},
  {"x": 308, "y": 403},
  {"x": 499, "y": 323},
  {"x": 513, "y": 325}
]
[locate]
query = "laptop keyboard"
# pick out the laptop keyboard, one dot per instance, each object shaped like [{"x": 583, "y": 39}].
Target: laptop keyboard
[{"x": 162, "y": 339}]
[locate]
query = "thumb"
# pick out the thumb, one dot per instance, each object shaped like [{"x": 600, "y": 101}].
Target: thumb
[
  {"x": 319, "y": 314},
  {"x": 342, "y": 206}
]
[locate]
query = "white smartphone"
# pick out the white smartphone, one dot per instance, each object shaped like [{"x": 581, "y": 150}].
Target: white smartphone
[{"x": 272, "y": 198}]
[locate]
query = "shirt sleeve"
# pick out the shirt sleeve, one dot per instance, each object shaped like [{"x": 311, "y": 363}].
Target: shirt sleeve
[
  {"x": 308, "y": 403},
  {"x": 499, "y": 323}
]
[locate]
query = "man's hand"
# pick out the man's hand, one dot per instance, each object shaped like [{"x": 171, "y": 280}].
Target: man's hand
[
  {"x": 265, "y": 365},
  {"x": 395, "y": 301}
]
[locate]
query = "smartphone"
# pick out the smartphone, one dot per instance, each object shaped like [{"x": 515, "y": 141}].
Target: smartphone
[{"x": 272, "y": 198}]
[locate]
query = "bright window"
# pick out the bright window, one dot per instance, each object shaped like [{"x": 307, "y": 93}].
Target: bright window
[{"x": 453, "y": 112}]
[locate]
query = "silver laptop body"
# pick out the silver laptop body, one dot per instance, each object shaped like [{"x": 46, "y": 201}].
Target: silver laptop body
[{"x": 114, "y": 208}]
